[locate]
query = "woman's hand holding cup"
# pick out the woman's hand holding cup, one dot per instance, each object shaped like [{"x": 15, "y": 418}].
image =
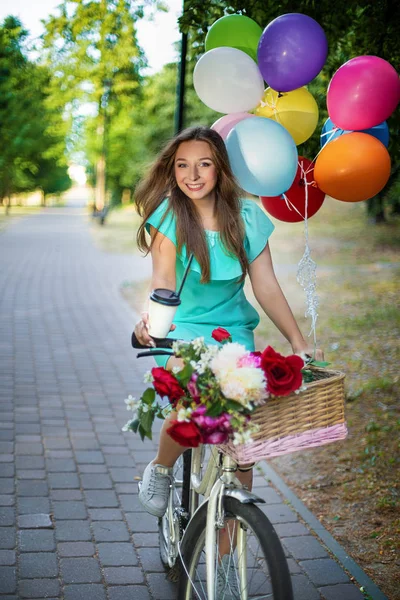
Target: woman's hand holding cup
[{"x": 142, "y": 330}]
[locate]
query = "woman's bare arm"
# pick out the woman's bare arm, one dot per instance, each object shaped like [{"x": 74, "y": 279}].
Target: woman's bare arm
[
  {"x": 163, "y": 256},
  {"x": 273, "y": 302}
]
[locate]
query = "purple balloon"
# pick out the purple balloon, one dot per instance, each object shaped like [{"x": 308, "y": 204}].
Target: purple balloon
[{"x": 292, "y": 51}]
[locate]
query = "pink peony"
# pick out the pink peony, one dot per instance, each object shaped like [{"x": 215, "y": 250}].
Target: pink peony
[
  {"x": 217, "y": 437},
  {"x": 214, "y": 430},
  {"x": 250, "y": 360},
  {"x": 192, "y": 388}
]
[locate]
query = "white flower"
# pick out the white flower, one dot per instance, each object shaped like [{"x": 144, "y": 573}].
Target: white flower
[
  {"x": 145, "y": 408},
  {"x": 198, "y": 344},
  {"x": 176, "y": 369},
  {"x": 166, "y": 410},
  {"x": 244, "y": 385},
  {"x": 184, "y": 414},
  {"x": 176, "y": 347},
  {"x": 148, "y": 377},
  {"x": 131, "y": 402},
  {"x": 227, "y": 358},
  {"x": 242, "y": 438},
  {"x": 206, "y": 358},
  {"x": 127, "y": 425}
]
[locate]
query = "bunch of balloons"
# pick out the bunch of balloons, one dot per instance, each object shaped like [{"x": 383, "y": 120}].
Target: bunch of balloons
[{"x": 262, "y": 125}]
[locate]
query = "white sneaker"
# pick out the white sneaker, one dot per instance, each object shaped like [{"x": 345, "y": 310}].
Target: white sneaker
[
  {"x": 227, "y": 580},
  {"x": 154, "y": 489}
]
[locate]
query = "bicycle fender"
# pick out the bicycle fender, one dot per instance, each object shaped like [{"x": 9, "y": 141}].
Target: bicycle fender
[{"x": 243, "y": 496}]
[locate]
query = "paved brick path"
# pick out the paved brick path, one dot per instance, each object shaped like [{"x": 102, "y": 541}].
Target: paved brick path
[{"x": 66, "y": 366}]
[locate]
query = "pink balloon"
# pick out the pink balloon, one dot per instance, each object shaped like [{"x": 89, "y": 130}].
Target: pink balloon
[
  {"x": 228, "y": 122},
  {"x": 362, "y": 93}
]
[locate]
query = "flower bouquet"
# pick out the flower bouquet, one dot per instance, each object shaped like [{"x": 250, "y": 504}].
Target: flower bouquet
[{"x": 214, "y": 395}]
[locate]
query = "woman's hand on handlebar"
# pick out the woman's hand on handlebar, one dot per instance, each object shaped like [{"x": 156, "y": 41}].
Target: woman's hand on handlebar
[{"x": 142, "y": 331}]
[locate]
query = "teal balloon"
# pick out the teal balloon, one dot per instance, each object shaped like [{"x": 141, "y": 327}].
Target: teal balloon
[{"x": 263, "y": 156}]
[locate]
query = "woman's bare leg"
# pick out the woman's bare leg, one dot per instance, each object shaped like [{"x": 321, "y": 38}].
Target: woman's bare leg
[
  {"x": 168, "y": 450},
  {"x": 227, "y": 536}
]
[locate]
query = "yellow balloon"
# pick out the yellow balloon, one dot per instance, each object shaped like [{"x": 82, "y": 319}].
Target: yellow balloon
[{"x": 297, "y": 111}]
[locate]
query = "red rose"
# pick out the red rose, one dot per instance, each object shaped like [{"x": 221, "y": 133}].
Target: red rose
[
  {"x": 220, "y": 334},
  {"x": 283, "y": 373},
  {"x": 185, "y": 433},
  {"x": 166, "y": 384}
]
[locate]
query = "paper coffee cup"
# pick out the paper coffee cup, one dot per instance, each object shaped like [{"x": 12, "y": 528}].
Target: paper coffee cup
[{"x": 162, "y": 308}]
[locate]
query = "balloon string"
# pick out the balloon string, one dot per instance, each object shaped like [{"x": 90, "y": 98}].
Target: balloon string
[
  {"x": 307, "y": 270},
  {"x": 274, "y": 107},
  {"x": 334, "y": 130},
  {"x": 291, "y": 206},
  {"x": 332, "y": 133}
]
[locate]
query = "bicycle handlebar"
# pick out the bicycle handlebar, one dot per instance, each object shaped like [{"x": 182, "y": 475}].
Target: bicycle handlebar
[{"x": 157, "y": 351}]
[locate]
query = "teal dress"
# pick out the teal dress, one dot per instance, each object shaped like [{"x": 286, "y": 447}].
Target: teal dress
[{"x": 221, "y": 302}]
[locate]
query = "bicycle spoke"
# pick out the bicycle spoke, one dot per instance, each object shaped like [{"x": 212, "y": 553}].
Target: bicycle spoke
[{"x": 257, "y": 585}]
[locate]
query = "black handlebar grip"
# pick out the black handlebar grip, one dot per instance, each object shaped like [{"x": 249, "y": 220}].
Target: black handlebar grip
[
  {"x": 159, "y": 342},
  {"x": 135, "y": 342}
]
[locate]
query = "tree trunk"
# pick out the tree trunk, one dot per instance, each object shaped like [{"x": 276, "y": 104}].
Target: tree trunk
[
  {"x": 375, "y": 209},
  {"x": 100, "y": 183}
]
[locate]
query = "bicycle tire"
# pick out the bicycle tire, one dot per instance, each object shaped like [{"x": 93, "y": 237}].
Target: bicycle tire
[
  {"x": 272, "y": 550},
  {"x": 182, "y": 503}
]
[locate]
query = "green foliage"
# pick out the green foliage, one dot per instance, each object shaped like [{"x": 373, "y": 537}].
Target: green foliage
[
  {"x": 152, "y": 122},
  {"x": 184, "y": 375},
  {"x": 93, "y": 51},
  {"x": 32, "y": 149},
  {"x": 353, "y": 28}
]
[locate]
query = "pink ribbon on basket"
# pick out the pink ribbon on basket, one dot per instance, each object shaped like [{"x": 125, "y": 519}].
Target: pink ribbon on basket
[{"x": 290, "y": 443}]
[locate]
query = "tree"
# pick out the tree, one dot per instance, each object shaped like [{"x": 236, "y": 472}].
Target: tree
[
  {"x": 353, "y": 28},
  {"x": 28, "y": 127},
  {"x": 92, "y": 48}
]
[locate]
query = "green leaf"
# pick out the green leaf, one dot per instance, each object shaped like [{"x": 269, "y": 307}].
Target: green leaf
[
  {"x": 143, "y": 433},
  {"x": 184, "y": 376},
  {"x": 146, "y": 420},
  {"x": 307, "y": 376},
  {"x": 318, "y": 363},
  {"x": 214, "y": 410},
  {"x": 232, "y": 405},
  {"x": 149, "y": 396},
  {"x": 134, "y": 425}
]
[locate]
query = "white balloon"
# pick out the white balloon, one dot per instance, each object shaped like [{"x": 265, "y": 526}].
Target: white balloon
[{"x": 228, "y": 80}]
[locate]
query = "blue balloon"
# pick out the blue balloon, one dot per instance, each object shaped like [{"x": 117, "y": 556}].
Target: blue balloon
[
  {"x": 381, "y": 132},
  {"x": 263, "y": 156}
]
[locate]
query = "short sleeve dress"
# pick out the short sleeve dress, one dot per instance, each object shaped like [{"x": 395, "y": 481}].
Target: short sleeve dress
[{"x": 221, "y": 302}]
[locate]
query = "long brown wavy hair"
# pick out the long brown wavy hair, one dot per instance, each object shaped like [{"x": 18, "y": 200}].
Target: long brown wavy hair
[{"x": 160, "y": 183}]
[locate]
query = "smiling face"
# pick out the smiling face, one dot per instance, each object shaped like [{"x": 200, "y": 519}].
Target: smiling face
[{"x": 195, "y": 170}]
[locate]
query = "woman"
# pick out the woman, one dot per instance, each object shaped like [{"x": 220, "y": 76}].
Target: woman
[{"x": 190, "y": 203}]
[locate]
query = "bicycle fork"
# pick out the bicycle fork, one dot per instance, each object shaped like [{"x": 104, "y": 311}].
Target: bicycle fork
[
  {"x": 216, "y": 521},
  {"x": 213, "y": 516}
]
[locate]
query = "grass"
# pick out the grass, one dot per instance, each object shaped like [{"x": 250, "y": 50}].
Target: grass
[{"x": 118, "y": 235}]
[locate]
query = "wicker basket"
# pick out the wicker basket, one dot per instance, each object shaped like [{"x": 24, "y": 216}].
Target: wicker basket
[{"x": 291, "y": 423}]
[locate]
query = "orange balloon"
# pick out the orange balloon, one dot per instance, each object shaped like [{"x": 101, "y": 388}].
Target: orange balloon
[{"x": 353, "y": 167}]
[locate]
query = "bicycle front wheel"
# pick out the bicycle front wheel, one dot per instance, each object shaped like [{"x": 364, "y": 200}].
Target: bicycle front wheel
[
  {"x": 171, "y": 525},
  {"x": 252, "y": 565}
]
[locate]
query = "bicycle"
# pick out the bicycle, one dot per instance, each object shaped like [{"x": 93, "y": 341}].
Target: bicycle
[{"x": 207, "y": 499}]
